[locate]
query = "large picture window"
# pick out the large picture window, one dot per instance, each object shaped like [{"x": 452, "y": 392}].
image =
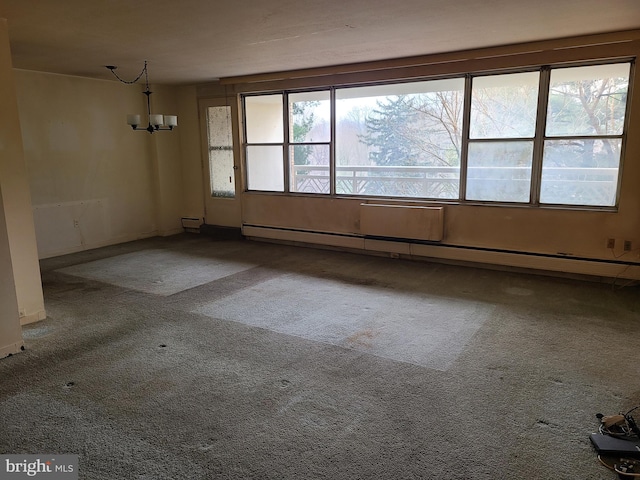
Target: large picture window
[
  {"x": 547, "y": 136},
  {"x": 401, "y": 140}
]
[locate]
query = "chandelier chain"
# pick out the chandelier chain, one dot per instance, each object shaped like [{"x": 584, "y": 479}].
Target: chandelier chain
[{"x": 143, "y": 72}]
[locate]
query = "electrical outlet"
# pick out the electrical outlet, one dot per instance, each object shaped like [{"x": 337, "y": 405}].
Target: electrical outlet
[
  {"x": 627, "y": 245},
  {"x": 611, "y": 243}
]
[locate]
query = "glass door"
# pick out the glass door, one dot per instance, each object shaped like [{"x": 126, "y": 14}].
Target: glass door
[{"x": 222, "y": 205}]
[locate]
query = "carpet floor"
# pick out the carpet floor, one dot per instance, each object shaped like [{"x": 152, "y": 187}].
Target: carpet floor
[{"x": 195, "y": 358}]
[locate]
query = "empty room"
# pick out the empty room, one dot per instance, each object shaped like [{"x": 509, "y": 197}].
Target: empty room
[{"x": 319, "y": 240}]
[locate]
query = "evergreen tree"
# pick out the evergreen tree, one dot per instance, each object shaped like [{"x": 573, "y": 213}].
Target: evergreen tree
[{"x": 389, "y": 130}]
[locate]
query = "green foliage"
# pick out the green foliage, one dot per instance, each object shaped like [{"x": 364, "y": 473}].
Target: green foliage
[{"x": 302, "y": 123}]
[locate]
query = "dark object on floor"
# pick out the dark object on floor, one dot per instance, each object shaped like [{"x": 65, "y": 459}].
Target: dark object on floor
[{"x": 611, "y": 446}]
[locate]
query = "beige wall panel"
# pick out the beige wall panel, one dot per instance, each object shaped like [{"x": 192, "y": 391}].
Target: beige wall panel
[
  {"x": 10, "y": 330},
  {"x": 576, "y": 233},
  {"x": 16, "y": 201},
  {"x": 191, "y": 156},
  {"x": 10, "y": 152},
  {"x": 79, "y": 151},
  {"x": 165, "y": 164},
  {"x": 306, "y": 213}
]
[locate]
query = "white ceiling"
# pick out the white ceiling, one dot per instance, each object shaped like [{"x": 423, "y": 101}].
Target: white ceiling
[{"x": 195, "y": 41}]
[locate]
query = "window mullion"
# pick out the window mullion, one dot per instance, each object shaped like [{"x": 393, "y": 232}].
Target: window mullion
[
  {"x": 538, "y": 142},
  {"x": 464, "y": 148},
  {"x": 285, "y": 145},
  {"x": 332, "y": 146},
  {"x": 245, "y": 178}
]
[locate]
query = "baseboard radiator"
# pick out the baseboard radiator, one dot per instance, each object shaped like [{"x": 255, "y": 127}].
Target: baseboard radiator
[
  {"x": 418, "y": 232},
  {"x": 402, "y": 221}
]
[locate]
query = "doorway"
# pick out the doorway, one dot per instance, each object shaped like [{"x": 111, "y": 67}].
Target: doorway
[{"x": 220, "y": 166}]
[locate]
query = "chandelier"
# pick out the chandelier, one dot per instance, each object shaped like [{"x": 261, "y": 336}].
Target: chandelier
[{"x": 155, "y": 122}]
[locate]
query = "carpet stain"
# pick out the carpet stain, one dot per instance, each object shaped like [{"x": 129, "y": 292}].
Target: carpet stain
[
  {"x": 313, "y": 420},
  {"x": 362, "y": 338},
  {"x": 545, "y": 424},
  {"x": 205, "y": 447}
]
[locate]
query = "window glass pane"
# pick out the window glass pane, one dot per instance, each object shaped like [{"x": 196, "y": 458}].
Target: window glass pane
[
  {"x": 310, "y": 168},
  {"x": 400, "y": 140},
  {"x": 499, "y": 171},
  {"x": 265, "y": 169},
  {"x": 222, "y": 175},
  {"x": 580, "y": 172},
  {"x": 263, "y": 116},
  {"x": 588, "y": 100},
  {"x": 504, "y": 106},
  {"x": 309, "y": 117}
]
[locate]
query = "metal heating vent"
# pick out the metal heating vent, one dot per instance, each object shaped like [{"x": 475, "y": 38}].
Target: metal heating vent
[
  {"x": 402, "y": 221},
  {"x": 191, "y": 224}
]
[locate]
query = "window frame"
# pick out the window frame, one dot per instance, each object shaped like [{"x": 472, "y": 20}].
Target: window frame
[
  {"x": 289, "y": 143},
  {"x": 533, "y": 140},
  {"x": 543, "y": 137},
  {"x": 539, "y": 138},
  {"x": 246, "y": 144}
]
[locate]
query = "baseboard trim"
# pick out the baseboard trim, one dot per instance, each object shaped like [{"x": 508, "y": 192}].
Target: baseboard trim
[
  {"x": 303, "y": 236},
  {"x": 220, "y": 232},
  {"x": 11, "y": 349},
  {"x": 104, "y": 243},
  {"x": 172, "y": 231},
  {"x": 559, "y": 264},
  {"x": 33, "y": 317},
  {"x": 531, "y": 261}
]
